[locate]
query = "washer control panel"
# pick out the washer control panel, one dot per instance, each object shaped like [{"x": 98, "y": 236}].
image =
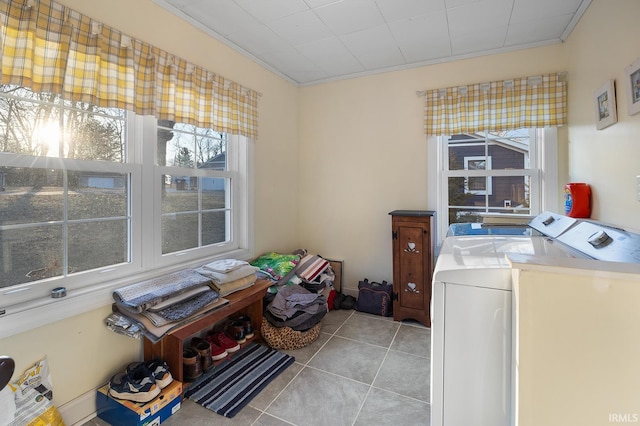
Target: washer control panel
[{"x": 603, "y": 242}]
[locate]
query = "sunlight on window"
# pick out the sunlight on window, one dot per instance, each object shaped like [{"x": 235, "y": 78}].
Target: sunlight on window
[{"x": 47, "y": 139}]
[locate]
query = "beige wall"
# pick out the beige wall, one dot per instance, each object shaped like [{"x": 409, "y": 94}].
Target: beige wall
[
  {"x": 363, "y": 153},
  {"x": 599, "y": 49}
]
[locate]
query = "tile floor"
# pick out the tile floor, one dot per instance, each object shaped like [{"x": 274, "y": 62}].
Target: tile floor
[{"x": 362, "y": 370}]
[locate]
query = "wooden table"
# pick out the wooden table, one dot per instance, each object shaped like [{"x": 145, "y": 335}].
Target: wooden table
[{"x": 169, "y": 348}]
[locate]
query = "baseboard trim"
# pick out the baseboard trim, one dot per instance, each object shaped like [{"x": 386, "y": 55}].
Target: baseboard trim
[{"x": 79, "y": 410}]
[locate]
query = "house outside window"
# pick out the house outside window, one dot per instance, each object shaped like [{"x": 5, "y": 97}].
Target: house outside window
[
  {"x": 91, "y": 197},
  {"x": 510, "y": 173}
]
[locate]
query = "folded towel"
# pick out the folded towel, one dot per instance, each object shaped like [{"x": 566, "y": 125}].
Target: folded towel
[
  {"x": 221, "y": 278},
  {"x": 237, "y": 285},
  {"x": 224, "y": 266}
]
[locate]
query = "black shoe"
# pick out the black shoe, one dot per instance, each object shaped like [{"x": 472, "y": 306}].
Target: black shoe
[
  {"x": 248, "y": 327},
  {"x": 337, "y": 301}
]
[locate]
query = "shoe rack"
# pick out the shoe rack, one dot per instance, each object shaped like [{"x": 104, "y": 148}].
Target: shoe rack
[{"x": 248, "y": 302}]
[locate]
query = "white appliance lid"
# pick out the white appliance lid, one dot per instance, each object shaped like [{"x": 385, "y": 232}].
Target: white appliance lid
[{"x": 482, "y": 260}]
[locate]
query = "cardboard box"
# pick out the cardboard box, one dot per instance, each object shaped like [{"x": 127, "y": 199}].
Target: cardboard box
[{"x": 129, "y": 413}]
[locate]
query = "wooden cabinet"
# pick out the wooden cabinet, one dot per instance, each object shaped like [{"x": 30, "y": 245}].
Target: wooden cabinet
[{"x": 413, "y": 240}]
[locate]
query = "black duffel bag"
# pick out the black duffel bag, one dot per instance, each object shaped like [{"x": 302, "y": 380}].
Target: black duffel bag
[{"x": 375, "y": 298}]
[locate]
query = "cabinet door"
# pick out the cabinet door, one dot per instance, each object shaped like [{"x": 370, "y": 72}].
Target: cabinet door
[{"x": 413, "y": 283}]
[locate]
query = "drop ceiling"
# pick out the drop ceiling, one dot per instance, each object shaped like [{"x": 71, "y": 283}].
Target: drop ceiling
[{"x": 313, "y": 41}]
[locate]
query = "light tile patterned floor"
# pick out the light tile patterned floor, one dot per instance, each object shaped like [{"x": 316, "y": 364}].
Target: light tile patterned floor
[{"x": 362, "y": 370}]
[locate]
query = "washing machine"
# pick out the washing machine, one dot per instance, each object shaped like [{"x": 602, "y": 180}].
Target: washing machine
[{"x": 471, "y": 316}]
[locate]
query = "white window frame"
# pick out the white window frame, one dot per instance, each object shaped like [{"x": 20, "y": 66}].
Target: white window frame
[
  {"x": 29, "y": 306},
  {"x": 545, "y": 183},
  {"x": 488, "y": 176}
]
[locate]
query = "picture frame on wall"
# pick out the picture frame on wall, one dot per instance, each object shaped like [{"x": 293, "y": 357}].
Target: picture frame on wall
[
  {"x": 605, "y": 105},
  {"x": 632, "y": 74}
]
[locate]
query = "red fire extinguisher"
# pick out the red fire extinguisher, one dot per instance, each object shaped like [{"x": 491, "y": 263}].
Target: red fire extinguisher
[{"x": 577, "y": 200}]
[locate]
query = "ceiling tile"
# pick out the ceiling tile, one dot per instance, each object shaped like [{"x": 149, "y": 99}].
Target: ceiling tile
[
  {"x": 272, "y": 9},
  {"x": 422, "y": 38},
  {"x": 530, "y": 31},
  {"x": 223, "y": 16},
  {"x": 300, "y": 28},
  {"x": 528, "y": 11},
  {"x": 317, "y": 3},
  {"x": 346, "y": 17},
  {"x": 395, "y": 10},
  {"x": 479, "y": 16},
  {"x": 479, "y": 41},
  {"x": 297, "y": 66},
  {"x": 256, "y": 40},
  {"x": 374, "y": 47},
  {"x": 332, "y": 56}
]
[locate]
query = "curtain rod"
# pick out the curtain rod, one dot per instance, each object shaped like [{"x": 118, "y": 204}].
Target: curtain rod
[{"x": 562, "y": 76}]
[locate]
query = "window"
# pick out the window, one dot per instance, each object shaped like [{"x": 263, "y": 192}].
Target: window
[
  {"x": 492, "y": 173},
  {"x": 478, "y": 185},
  {"x": 96, "y": 197}
]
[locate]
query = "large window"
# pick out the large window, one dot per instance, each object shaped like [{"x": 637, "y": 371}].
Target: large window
[
  {"x": 96, "y": 197},
  {"x": 506, "y": 173}
]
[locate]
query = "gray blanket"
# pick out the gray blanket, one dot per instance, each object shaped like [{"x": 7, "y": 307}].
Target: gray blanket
[{"x": 146, "y": 294}]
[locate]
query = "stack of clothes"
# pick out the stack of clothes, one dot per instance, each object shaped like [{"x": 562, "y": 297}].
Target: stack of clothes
[
  {"x": 297, "y": 308},
  {"x": 229, "y": 275},
  {"x": 156, "y": 306}
]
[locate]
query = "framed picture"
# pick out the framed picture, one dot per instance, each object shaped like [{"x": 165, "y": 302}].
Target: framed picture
[
  {"x": 605, "y": 103},
  {"x": 632, "y": 73},
  {"x": 336, "y": 265}
]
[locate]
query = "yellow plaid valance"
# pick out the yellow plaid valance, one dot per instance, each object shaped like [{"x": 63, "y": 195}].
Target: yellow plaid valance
[
  {"x": 51, "y": 48},
  {"x": 500, "y": 105}
]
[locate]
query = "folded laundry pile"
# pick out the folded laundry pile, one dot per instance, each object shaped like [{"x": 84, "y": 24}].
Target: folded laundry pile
[
  {"x": 229, "y": 275},
  {"x": 297, "y": 308},
  {"x": 158, "y": 305}
]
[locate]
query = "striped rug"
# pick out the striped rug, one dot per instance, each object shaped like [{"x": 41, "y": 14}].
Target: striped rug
[{"x": 232, "y": 384}]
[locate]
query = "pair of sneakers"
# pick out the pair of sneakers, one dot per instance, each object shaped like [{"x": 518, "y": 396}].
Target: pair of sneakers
[{"x": 141, "y": 381}]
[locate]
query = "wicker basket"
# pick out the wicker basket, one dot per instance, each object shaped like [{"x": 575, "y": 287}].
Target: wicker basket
[{"x": 287, "y": 338}]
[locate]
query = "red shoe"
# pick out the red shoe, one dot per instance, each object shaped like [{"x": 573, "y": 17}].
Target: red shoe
[
  {"x": 217, "y": 353},
  {"x": 223, "y": 341}
]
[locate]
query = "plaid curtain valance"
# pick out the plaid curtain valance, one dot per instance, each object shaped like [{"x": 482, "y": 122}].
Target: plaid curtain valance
[
  {"x": 500, "y": 105},
  {"x": 51, "y": 48}
]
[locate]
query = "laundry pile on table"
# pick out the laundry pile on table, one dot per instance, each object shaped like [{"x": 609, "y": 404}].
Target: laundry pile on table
[
  {"x": 154, "y": 307},
  {"x": 229, "y": 275}
]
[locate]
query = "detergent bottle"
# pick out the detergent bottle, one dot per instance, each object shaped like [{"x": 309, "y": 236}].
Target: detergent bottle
[{"x": 577, "y": 200}]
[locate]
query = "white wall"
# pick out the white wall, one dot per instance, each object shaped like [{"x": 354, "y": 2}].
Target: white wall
[
  {"x": 363, "y": 153},
  {"x": 599, "y": 49}
]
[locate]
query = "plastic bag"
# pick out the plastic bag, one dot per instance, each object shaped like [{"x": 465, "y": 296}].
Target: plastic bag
[{"x": 33, "y": 398}]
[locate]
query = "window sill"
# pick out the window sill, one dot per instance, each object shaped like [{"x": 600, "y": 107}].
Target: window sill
[{"x": 27, "y": 316}]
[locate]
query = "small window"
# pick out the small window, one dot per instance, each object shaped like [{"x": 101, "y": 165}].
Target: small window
[
  {"x": 478, "y": 185},
  {"x": 492, "y": 173}
]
